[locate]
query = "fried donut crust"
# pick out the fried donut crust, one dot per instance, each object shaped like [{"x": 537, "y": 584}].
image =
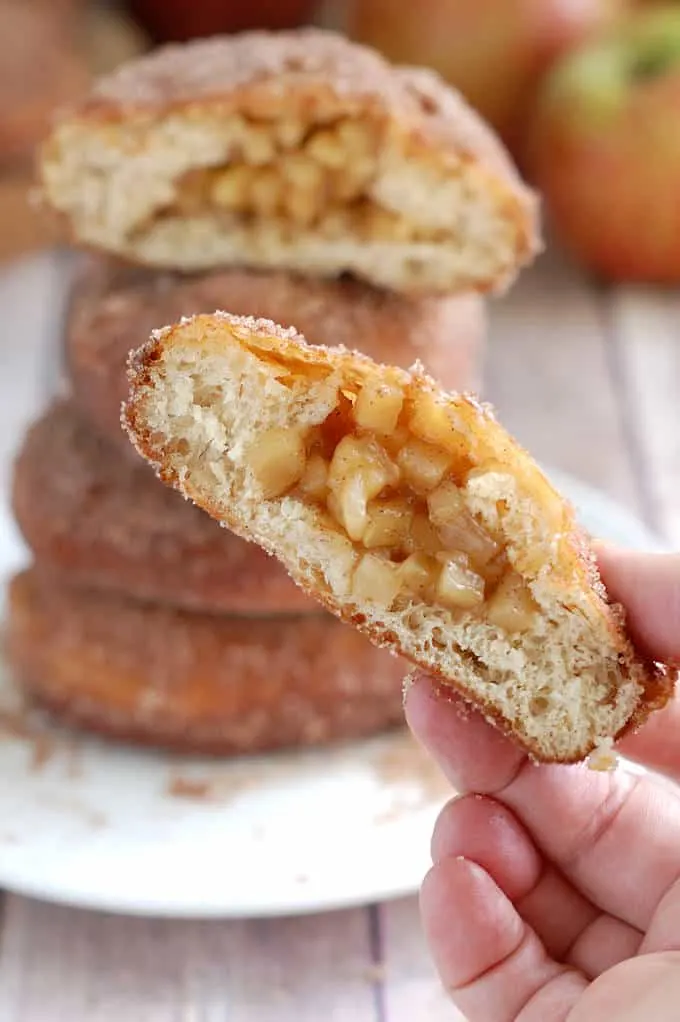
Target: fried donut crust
[{"x": 196, "y": 683}]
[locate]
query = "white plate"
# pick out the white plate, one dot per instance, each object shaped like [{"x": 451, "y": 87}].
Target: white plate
[{"x": 111, "y": 827}]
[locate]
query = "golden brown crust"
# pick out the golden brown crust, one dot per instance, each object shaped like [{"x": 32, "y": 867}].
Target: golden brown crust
[
  {"x": 574, "y": 559},
  {"x": 255, "y": 70},
  {"x": 103, "y": 520},
  {"x": 115, "y": 308},
  {"x": 196, "y": 683}
]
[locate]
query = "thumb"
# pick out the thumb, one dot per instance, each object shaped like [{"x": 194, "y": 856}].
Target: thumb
[{"x": 648, "y": 587}]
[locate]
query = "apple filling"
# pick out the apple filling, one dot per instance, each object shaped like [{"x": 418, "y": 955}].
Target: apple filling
[
  {"x": 389, "y": 475},
  {"x": 293, "y": 175}
]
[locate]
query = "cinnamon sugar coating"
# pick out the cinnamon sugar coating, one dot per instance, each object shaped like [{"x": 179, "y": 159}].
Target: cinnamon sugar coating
[
  {"x": 196, "y": 682},
  {"x": 224, "y": 68}
]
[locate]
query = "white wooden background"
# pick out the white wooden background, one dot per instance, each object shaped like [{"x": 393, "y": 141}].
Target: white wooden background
[{"x": 588, "y": 379}]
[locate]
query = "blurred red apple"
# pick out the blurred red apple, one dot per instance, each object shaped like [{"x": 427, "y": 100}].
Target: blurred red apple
[
  {"x": 177, "y": 20},
  {"x": 604, "y": 148},
  {"x": 494, "y": 51}
]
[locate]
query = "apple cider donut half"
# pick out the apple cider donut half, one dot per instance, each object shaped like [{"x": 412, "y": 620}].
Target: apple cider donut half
[
  {"x": 405, "y": 510},
  {"x": 294, "y": 150}
]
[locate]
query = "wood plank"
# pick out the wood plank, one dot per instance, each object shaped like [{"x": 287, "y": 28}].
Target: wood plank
[
  {"x": 549, "y": 375},
  {"x": 411, "y": 987},
  {"x": 61, "y": 963},
  {"x": 646, "y": 334}
]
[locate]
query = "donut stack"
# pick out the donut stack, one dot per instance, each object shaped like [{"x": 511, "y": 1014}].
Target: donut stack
[{"x": 140, "y": 618}]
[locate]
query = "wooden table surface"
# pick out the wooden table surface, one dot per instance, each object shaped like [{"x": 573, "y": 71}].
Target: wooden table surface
[{"x": 589, "y": 380}]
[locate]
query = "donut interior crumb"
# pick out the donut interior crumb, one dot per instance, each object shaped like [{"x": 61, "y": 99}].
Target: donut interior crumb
[{"x": 329, "y": 195}]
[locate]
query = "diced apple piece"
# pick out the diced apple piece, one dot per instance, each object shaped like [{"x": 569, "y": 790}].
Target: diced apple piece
[
  {"x": 376, "y": 581},
  {"x": 459, "y": 587}
]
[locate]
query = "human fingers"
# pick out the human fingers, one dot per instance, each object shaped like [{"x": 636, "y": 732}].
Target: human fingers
[
  {"x": 490, "y": 961},
  {"x": 648, "y": 587},
  {"x": 663, "y": 933},
  {"x": 473, "y": 755},
  {"x": 657, "y": 744},
  {"x": 615, "y": 836},
  {"x": 570, "y": 927},
  {"x": 644, "y": 989}
]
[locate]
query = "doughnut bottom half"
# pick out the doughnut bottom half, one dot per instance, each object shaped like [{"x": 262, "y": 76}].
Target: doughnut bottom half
[{"x": 196, "y": 683}]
